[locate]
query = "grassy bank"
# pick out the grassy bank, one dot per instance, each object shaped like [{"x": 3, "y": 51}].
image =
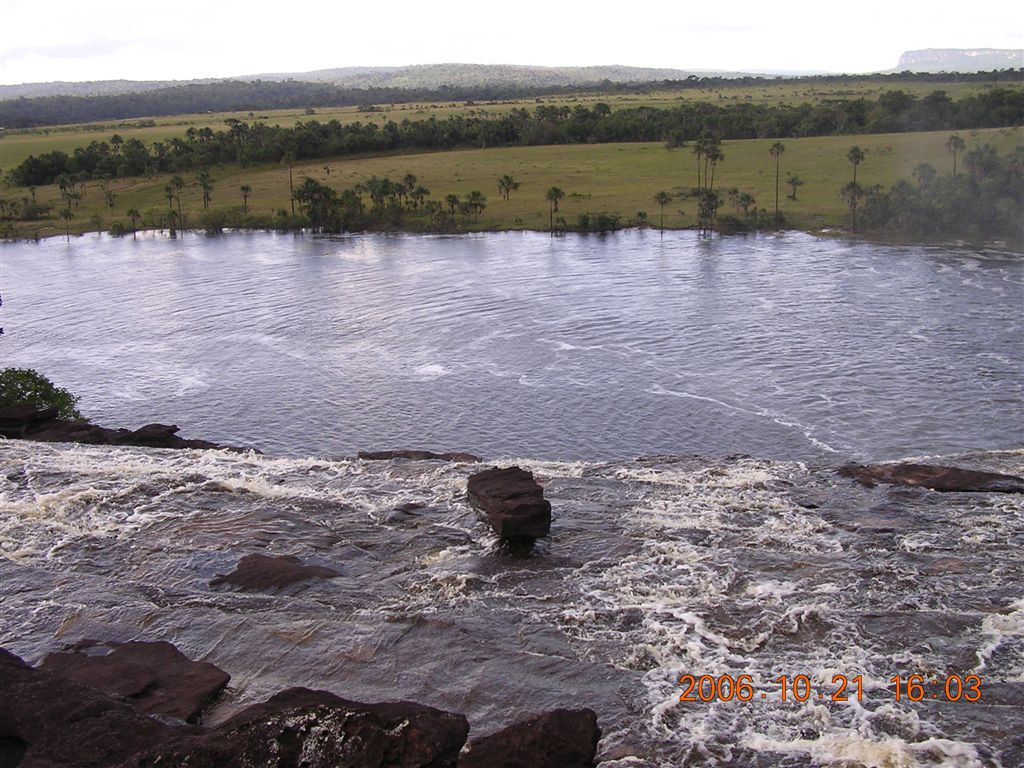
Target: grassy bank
[{"x": 617, "y": 178}]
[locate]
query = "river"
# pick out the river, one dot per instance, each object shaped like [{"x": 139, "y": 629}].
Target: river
[
  {"x": 627, "y": 372},
  {"x": 568, "y": 348}
]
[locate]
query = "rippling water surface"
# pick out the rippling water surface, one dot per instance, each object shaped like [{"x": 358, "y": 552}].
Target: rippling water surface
[{"x": 569, "y": 348}]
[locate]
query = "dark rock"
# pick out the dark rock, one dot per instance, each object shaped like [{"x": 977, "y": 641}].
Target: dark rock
[
  {"x": 256, "y": 573},
  {"x": 409, "y": 507},
  {"x": 155, "y": 678},
  {"x": 315, "y": 729},
  {"x": 512, "y": 501},
  {"x": 53, "y": 721},
  {"x": 937, "y": 478},
  {"x": 562, "y": 738},
  {"x": 48, "y": 720},
  {"x": 19, "y": 420},
  {"x": 465, "y": 458},
  {"x": 42, "y": 425}
]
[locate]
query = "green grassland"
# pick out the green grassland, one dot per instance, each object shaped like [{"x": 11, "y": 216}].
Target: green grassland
[
  {"x": 16, "y": 146},
  {"x": 617, "y": 178}
]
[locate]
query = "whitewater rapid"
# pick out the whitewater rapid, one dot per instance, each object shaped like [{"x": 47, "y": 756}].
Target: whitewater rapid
[{"x": 656, "y": 569}]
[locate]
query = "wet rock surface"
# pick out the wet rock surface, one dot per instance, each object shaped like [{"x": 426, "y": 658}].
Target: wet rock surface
[
  {"x": 512, "y": 502},
  {"x": 937, "y": 478},
  {"x": 564, "y": 738},
  {"x": 25, "y": 422},
  {"x": 47, "y": 719},
  {"x": 464, "y": 458},
  {"x": 155, "y": 678},
  {"x": 259, "y": 573}
]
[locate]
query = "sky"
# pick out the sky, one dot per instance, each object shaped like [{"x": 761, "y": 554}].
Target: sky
[{"x": 128, "y": 39}]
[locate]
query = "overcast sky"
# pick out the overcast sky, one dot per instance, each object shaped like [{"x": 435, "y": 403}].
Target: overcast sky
[{"x": 75, "y": 40}]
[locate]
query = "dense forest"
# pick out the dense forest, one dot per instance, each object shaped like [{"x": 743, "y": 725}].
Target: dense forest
[
  {"x": 238, "y": 96},
  {"x": 244, "y": 143}
]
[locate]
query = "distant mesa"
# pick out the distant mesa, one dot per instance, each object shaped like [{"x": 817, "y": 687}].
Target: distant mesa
[{"x": 961, "y": 59}]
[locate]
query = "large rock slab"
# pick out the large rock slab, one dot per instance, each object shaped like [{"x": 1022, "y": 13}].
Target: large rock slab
[
  {"x": 512, "y": 501},
  {"x": 464, "y": 458},
  {"x": 259, "y": 573},
  {"x": 26, "y": 422},
  {"x": 50, "y": 721},
  {"x": 53, "y": 721},
  {"x": 155, "y": 678},
  {"x": 562, "y": 738},
  {"x": 937, "y": 478}
]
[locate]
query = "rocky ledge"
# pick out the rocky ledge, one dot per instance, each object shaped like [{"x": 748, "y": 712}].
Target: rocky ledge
[
  {"x": 934, "y": 477},
  {"x": 129, "y": 707},
  {"x": 26, "y": 422}
]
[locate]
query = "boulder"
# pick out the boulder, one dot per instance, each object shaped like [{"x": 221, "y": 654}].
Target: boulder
[
  {"x": 512, "y": 501},
  {"x": 27, "y": 422},
  {"x": 464, "y": 458},
  {"x": 937, "y": 478},
  {"x": 155, "y": 678},
  {"x": 562, "y": 738},
  {"x": 258, "y": 573},
  {"x": 19, "y": 420},
  {"x": 49, "y": 720}
]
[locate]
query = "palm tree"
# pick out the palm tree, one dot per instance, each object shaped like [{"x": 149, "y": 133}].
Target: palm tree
[
  {"x": 852, "y": 193},
  {"x": 418, "y": 195},
  {"x": 713, "y": 155},
  {"x": 554, "y": 194},
  {"x": 856, "y": 156},
  {"x": 246, "y": 190},
  {"x": 67, "y": 215},
  {"x": 205, "y": 184},
  {"x": 663, "y": 199},
  {"x": 453, "y": 204},
  {"x": 169, "y": 191},
  {"x": 133, "y": 213},
  {"x": 699, "y": 149},
  {"x": 793, "y": 182},
  {"x": 109, "y": 196},
  {"x": 507, "y": 185},
  {"x": 476, "y": 202},
  {"x": 177, "y": 184},
  {"x": 925, "y": 174},
  {"x": 954, "y": 144},
  {"x": 776, "y": 151},
  {"x": 289, "y": 158}
]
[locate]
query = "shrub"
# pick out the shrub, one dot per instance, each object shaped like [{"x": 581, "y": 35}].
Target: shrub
[{"x": 24, "y": 385}]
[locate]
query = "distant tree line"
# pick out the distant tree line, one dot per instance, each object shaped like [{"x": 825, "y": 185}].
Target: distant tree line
[
  {"x": 256, "y": 142},
  {"x": 241, "y": 96}
]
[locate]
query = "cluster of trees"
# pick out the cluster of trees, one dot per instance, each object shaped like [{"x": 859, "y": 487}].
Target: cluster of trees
[
  {"x": 324, "y": 209},
  {"x": 234, "y": 95},
  {"x": 244, "y": 143},
  {"x": 984, "y": 201}
]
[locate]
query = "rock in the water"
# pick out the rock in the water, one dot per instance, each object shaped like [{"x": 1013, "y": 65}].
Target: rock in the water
[
  {"x": 562, "y": 738},
  {"x": 937, "y": 478},
  {"x": 155, "y": 678},
  {"x": 27, "y": 422},
  {"x": 512, "y": 501},
  {"x": 256, "y": 573},
  {"x": 49, "y": 720},
  {"x": 464, "y": 458},
  {"x": 19, "y": 420},
  {"x": 52, "y": 721}
]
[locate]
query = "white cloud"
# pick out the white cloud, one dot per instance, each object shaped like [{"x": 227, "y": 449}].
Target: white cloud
[{"x": 73, "y": 41}]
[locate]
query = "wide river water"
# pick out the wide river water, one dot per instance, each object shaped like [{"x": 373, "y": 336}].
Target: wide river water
[
  {"x": 577, "y": 347},
  {"x": 571, "y": 357}
]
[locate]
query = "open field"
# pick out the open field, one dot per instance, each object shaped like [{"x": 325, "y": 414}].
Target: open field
[
  {"x": 619, "y": 178},
  {"x": 15, "y": 146}
]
